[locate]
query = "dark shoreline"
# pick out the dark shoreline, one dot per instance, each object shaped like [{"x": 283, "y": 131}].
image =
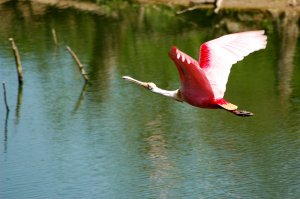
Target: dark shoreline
[{"x": 273, "y": 6}]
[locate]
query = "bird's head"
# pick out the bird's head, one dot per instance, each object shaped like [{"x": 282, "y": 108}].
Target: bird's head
[{"x": 150, "y": 85}]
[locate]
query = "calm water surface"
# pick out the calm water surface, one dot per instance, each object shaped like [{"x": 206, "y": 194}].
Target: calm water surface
[{"x": 111, "y": 139}]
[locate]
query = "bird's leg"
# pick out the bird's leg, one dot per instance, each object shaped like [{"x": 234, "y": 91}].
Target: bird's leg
[
  {"x": 222, "y": 103},
  {"x": 241, "y": 113},
  {"x": 153, "y": 88}
]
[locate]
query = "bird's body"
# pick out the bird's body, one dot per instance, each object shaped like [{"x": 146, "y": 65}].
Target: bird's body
[
  {"x": 195, "y": 87},
  {"x": 203, "y": 82}
]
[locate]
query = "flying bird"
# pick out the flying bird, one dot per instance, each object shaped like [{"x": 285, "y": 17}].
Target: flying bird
[{"x": 203, "y": 82}]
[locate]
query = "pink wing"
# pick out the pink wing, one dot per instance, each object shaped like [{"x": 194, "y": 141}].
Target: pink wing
[{"x": 218, "y": 55}]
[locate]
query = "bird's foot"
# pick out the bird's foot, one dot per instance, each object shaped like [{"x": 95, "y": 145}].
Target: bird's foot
[{"x": 242, "y": 113}]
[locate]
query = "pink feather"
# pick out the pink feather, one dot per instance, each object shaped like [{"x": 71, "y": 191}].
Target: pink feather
[{"x": 217, "y": 56}]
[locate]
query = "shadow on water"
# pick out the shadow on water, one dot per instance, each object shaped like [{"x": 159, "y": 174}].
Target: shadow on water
[{"x": 110, "y": 139}]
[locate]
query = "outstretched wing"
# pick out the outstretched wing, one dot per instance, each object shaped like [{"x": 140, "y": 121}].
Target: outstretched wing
[{"x": 218, "y": 55}]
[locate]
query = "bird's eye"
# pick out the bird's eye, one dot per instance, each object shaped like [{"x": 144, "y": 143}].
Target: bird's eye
[{"x": 151, "y": 86}]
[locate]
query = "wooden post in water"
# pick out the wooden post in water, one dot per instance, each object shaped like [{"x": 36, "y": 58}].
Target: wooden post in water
[
  {"x": 18, "y": 60},
  {"x": 4, "y": 94},
  {"x": 80, "y": 65}
]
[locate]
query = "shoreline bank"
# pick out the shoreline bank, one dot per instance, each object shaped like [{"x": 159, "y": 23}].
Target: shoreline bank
[{"x": 179, "y": 5}]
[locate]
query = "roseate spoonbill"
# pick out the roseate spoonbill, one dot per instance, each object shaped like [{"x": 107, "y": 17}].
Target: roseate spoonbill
[{"x": 203, "y": 82}]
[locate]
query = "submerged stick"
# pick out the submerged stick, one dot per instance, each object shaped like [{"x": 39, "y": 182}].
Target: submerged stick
[
  {"x": 54, "y": 36},
  {"x": 6, "y": 118},
  {"x": 80, "y": 98},
  {"x": 18, "y": 60},
  {"x": 19, "y": 102},
  {"x": 4, "y": 94},
  {"x": 80, "y": 65},
  {"x": 5, "y": 131}
]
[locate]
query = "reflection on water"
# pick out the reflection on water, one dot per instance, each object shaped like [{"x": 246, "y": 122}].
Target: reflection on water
[
  {"x": 111, "y": 139},
  {"x": 288, "y": 31}
]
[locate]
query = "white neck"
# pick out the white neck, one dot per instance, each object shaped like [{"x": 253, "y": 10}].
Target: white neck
[
  {"x": 153, "y": 88},
  {"x": 171, "y": 94}
]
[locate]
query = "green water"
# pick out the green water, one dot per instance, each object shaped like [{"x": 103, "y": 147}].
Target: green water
[{"x": 112, "y": 139}]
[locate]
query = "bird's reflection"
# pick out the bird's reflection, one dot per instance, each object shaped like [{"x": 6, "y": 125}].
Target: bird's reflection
[{"x": 161, "y": 166}]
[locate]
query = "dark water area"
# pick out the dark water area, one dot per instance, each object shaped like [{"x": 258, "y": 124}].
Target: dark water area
[{"x": 112, "y": 139}]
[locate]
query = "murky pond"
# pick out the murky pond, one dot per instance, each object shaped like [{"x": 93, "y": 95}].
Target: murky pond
[{"x": 112, "y": 139}]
